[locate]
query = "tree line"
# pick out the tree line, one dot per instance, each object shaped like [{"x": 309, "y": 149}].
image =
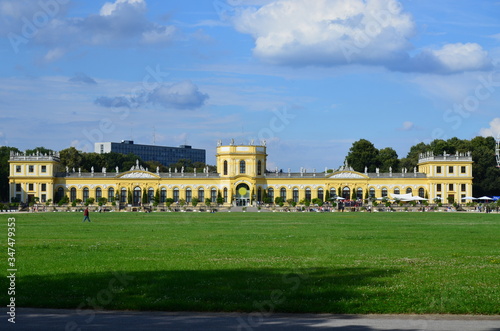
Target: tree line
[{"x": 486, "y": 175}]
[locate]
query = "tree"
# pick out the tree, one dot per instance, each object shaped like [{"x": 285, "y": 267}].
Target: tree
[
  {"x": 71, "y": 157},
  {"x": 41, "y": 150},
  {"x": 484, "y": 170},
  {"x": 388, "y": 158},
  {"x": 195, "y": 201},
  {"x": 363, "y": 153},
  {"x": 4, "y": 171},
  {"x": 220, "y": 199},
  {"x": 157, "y": 197},
  {"x": 411, "y": 159}
]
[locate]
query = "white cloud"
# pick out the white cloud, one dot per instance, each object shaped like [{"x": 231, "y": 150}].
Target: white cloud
[
  {"x": 407, "y": 126},
  {"x": 335, "y": 32},
  {"x": 159, "y": 35},
  {"x": 54, "y": 54},
  {"x": 121, "y": 23},
  {"x": 327, "y": 32},
  {"x": 460, "y": 57},
  {"x": 182, "y": 95},
  {"x": 109, "y": 8},
  {"x": 493, "y": 130}
]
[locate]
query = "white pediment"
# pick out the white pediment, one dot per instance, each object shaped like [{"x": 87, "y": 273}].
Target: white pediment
[
  {"x": 347, "y": 174},
  {"x": 138, "y": 174}
]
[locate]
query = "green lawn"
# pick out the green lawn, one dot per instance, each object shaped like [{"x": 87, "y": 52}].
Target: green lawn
[{"x": 279, "y": 262}]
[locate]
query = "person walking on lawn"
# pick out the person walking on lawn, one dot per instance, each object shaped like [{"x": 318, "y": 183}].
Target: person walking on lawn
[{"x": 86, "y": 214}]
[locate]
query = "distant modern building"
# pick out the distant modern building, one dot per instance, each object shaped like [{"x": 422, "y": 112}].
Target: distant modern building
[{"x": 163, "y": 154}]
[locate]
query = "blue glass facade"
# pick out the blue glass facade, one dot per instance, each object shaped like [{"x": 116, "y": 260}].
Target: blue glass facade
[{"x": 163, "y": 154}]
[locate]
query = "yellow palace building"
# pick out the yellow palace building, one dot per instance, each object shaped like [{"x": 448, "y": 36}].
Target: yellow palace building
[{"x": 241, "y": 179}]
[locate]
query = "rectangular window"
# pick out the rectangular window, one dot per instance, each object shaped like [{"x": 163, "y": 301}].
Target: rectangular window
[
  {"x": 438, "y": 169},
  {"x": 463, "y": 169},
  {"x": 44, "y": 198},
  {"x": 18, "y": 187},
  {"x": 44, "y": 168},
  {"x": 30, "y": 187},
  {"x": 464, "y": 187},
  {"x": 450, "y": 187},
  {"x": 31, "y": 168},
  {"x": 438, "y": 188},
  {"x": 18, "y": 168},
  {"x": 44, "y": 187},
  {"x": 450, "y": 169}
]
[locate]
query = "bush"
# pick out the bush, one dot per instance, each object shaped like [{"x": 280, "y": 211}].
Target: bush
[
  {"x": 195, "y": 202},
  {"x": 317, "y": 201}
]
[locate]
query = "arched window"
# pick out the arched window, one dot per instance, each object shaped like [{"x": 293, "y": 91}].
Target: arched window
[
  {"x": 270, "y": 194},
  {"x": 176, "y": 194},
  {"x": 98, "y": 194},
  {"x": 333, "y": 192},
  {"x": 123, "y": 195},
  {"x": 188, "y": 195},
  {"x": 72, "y": 194},
  {"x": 346, "y": 193},
  {"x": 163, "y": 195},
  {"x": 320, "y": 194},
  {"x": 111, "y": 194},
  {"x": 213, "y": 195},
  {"x": 421, "y": 192},
  {"x": 201, "y": 194},
  {"x": 308, "y": 194},
  {"x": 225, "y": 167},
  {"x": 225, "y": 194},
  {"x": 409, "y": 190},
  {"x": 243, "y": 167},
  {"x": 137, "y": 197},
  {"x": 283, "y": 193},
  {"x": 59, "y": 194},
  {"x": 396, "y": 190},
  {"x": 359, "y": 193},
  {"x": 151, "y": 195},
  {"x": 384, "y": 192},
  {"x": 295, "y": 195},
  {"x": 85, "y": 194},
  {"x": 259, "y": 168},
  {"x": 372, "y": 192}
]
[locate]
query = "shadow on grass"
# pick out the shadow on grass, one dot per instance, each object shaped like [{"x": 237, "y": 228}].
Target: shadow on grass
[{"x": 320, "y": 290}]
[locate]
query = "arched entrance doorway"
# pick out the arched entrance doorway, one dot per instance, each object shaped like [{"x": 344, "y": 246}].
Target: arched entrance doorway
[{"x": 242, "y": 197}]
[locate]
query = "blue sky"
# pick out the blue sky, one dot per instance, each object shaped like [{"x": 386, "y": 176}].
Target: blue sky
[{"x": 308, "y": 76}]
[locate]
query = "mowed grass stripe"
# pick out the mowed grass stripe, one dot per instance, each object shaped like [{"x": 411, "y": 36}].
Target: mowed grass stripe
[{"x": 284, "y": 262}]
